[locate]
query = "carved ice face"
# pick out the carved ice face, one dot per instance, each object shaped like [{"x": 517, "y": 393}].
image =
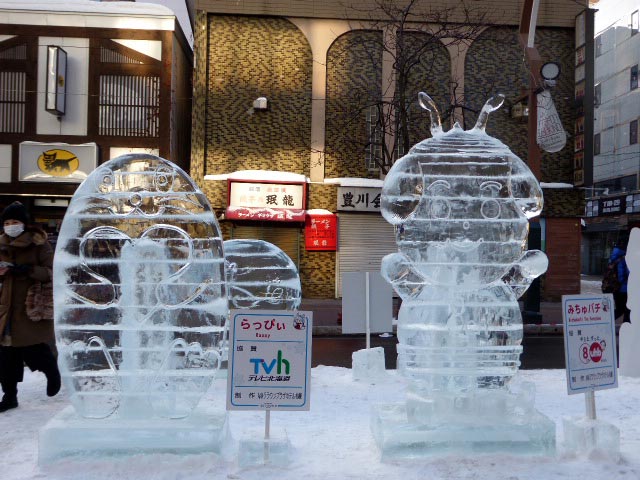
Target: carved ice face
[{"x": 461, "y": 215}]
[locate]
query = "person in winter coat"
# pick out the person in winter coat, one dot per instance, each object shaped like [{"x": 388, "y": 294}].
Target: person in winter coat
[
  {"x": 620, "y": 297},
  {"x": 27, "y": 258}
]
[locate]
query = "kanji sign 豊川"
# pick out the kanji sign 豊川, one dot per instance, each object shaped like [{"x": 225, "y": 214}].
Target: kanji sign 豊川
[{"x": 359, "y": 199}]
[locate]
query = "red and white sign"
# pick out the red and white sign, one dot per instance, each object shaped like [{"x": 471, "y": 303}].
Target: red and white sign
[
  {"x": 284, "y": 202},
  {"x": 590, "y": 342},
  {"x": 321, "y": 232}
]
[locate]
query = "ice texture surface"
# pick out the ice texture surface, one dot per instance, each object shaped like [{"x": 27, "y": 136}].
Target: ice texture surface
[
  {"x": 139, "y": 292},
  {"x": 461, "y": 202},
  {"x": 368, "y": 364},
  {"x": 261, "y": 276}
]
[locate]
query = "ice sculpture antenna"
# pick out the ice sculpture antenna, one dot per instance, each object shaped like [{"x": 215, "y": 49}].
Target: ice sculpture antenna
[
  {"x": 460, "y": 202},
  {"x": 429, "y": 105},
  {"x": 140, "y": 296}
]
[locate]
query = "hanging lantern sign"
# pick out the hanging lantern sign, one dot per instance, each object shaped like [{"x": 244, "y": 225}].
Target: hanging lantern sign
[{"x": 551, "y": 136}]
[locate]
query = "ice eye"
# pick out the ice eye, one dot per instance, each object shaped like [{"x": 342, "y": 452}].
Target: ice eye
[
  {"x": 490, "y": 209},
  {"x": 440, "y": 207},
  {"x": 490, "y": 189}
]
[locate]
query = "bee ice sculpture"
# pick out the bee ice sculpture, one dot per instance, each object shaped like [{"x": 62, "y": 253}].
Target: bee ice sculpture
[{"x": 460, "y": 202}]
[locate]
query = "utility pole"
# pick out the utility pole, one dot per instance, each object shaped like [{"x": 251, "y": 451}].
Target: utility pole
[{"x": 528, "y": 22}]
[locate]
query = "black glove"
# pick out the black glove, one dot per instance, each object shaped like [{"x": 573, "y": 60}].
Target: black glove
[{"x": 20, "y": 269}]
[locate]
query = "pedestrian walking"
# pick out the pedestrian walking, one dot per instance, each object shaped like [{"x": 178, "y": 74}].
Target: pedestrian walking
[
  {"x": 618, "y": 264},
  {"x": 25, "y": 265}
]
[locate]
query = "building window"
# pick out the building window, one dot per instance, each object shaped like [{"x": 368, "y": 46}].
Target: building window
[
  {"x": 375, "y": 139},
  {"x": 597, "y": 95},
  {"x": 129, "y": 106},
  {"x": 596, "y": 144},
  {"x": 13, "y": 86},
  {"x": 13, "y": 101},
  {"x": 633, "y": 77},
  {"x": 635, "y": 22},
  {"x": 598, "y": 46},
  {"x": 633, "y": 132}
]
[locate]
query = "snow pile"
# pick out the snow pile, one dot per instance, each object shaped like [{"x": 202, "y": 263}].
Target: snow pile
[{"x": 333, "y": 440}]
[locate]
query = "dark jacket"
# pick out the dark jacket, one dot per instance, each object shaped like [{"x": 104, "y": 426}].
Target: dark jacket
[
  {"x": 623, "y": 270},
  {"x": 31, "y": 249}
]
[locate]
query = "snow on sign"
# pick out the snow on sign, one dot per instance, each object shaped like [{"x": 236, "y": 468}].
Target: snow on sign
[
  {"x": 269, "y": 360},
  {"x": 590, "y": 342}
]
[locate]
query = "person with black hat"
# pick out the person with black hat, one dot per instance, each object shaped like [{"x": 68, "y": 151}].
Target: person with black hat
[{"x": 26, "y": 258}]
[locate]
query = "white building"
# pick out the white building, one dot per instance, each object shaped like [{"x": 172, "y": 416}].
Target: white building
[
  {"x": 617, "y": 97},
  {"x": 613, "y": 205}
]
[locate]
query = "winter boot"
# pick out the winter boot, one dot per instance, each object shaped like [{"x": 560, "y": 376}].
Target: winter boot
[
  {"x": 10, "y": 397},
  {"x": 53, "y": 379},
  {"x": 8, "y": 402}
]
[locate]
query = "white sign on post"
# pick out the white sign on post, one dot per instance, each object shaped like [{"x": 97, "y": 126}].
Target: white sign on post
[
  {"x": 269, "y": 360},
  {"x": 590, "y": 342}
]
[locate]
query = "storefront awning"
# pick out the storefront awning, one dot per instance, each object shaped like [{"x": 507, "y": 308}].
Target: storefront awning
[{"x": 265, "y": 214}]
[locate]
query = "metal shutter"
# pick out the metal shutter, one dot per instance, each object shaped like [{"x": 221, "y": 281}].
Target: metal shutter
[
  {"x": 362, "y": 242},
  {"x": 286, "y": 237}
]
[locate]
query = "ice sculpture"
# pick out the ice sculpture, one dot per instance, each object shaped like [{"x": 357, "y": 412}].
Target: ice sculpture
[
  {"x": 460, "y": 202},
  {"x": 140, "y": 303},
  {"x": 261, "y": 276}
]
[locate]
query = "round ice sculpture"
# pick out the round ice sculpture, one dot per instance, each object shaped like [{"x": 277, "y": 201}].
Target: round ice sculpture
[
  {"x": 460, "y": 202},
  {"x": 140, "y": 297},
  {"x": 261, "y": 276}
]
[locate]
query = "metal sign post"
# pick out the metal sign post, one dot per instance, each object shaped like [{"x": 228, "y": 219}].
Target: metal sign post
[{"x": 367, "y": 310}]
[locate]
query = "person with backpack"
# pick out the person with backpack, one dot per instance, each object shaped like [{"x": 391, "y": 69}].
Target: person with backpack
[{"x": 618, "y": 285}]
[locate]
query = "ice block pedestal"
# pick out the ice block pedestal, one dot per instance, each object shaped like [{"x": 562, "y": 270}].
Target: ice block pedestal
[
  {"x": 68, "y": 434},
  {"x": 587, "y": 436},
  {"x": 400, "y": 438},
  {"x": 275, "y": 450},
  {"x": 368, "y": 364}
]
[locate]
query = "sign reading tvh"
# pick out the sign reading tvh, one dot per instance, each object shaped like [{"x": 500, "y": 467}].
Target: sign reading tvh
[
  {"x": 269, "y": 360},
  {"x": 590, "y": 342}
]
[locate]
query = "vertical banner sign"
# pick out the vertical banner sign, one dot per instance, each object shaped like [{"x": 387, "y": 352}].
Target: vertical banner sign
[
  {"x": 590, "y": 342},
  {"x": 321, "y": 232},
  {"x": 269, "y": 360}
]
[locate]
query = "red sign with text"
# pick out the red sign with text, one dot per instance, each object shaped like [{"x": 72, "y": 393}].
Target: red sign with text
[{"x": 321, "y": 232}]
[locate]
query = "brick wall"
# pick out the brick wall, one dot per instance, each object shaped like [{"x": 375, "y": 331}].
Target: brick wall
[
  {"x": 318, "y": 269},
  {"x": 251, "y": 57},
  {"x": 354, "y": 81},
  {"x": 494, "y": 64},
  {"x": 354, "y": 77}
]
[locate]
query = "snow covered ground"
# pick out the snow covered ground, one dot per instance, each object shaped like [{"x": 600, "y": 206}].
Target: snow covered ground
[{"x": 333, "y": 440}]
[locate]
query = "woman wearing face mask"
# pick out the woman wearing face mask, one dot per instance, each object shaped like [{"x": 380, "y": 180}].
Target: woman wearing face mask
[{"x": 25, "y": 258}]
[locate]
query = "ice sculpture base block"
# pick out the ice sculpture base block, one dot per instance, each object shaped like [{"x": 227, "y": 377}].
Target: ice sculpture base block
[
  {"x": 254, "y": 451},
  {"x": 583, "y": 436},
  {"x": 68, "y": 434},
  {"x": 368, "y": 364},
  {"x": 398, "y": 438}
]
